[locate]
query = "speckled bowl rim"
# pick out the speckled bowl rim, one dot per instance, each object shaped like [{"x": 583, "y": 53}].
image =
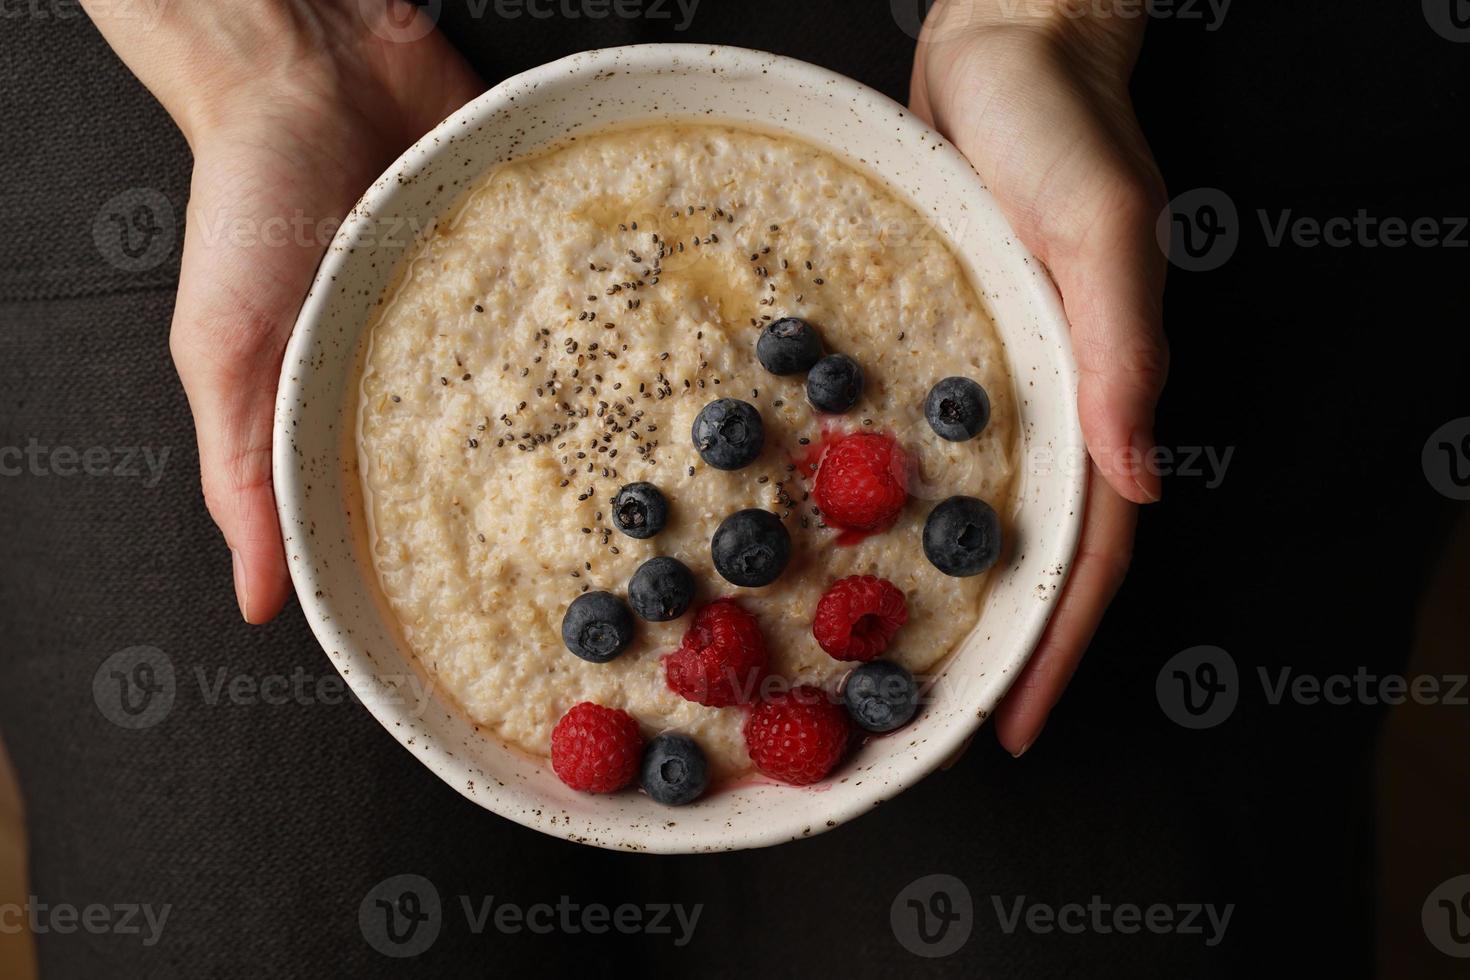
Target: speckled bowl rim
[{"x": 333, "y": 624}]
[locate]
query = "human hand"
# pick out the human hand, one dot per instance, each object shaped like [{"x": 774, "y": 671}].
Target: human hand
[
  {"x": 1038, "y": 101},
  {"x": 292, "y": 108}
]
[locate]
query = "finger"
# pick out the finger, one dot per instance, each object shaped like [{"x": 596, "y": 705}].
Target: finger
[
  {"x": 233, "y": 404},
  {"x": 234, "y": 434},
  {"x": 246, "y": 268},
  {"x": 1112, "y": 289},
  {"x": 1072, "y": 174},
  {"x": 1097, "y": 570},
  {"x": 237, "y": 301}
]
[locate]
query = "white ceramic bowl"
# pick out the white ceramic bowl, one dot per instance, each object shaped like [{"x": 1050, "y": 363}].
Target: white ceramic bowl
[{"x": 314, "y": 477}]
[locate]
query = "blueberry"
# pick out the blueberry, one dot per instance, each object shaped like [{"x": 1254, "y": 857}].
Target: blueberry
[
  {"x": 834, "y": 384},
  {"x": 962, "y": 536},
  {"x": 957, "y": 409},
  {"x": 597, "y": 627},
  {"x": 880, "y": 696},
  {"x": 788, "y": 346},
  {"x": 661, "y": 589},
  {"x": 674, "y": 770},
  {"x": 640, "y": 510},
  {"x": 751, "y": 548},
  {"x": 728, "y": 433}
]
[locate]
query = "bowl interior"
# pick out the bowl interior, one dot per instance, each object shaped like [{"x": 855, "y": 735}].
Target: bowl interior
[{"x": 314, "y": 458}]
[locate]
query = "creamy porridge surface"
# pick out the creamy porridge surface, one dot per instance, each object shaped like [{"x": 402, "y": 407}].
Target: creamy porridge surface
[{"x": 553, "y": 340}]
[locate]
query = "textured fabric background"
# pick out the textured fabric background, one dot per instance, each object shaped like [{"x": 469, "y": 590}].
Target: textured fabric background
[{"x": 263, "y": 826}]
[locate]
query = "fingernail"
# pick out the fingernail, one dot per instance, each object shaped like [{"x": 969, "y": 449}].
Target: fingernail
[
  {"x": 1027, "y": 747},
  {"x": 242, "y": 592},
  {"x": 1147, "y": 481}
]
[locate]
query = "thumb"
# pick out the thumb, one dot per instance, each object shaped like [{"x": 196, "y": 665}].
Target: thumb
[
  {"x": 237, "y": 301},
  {"x": 1112, "y": 290},
  {"x": 233, "y": 422},
  {"x": 1061, "y": 150}
]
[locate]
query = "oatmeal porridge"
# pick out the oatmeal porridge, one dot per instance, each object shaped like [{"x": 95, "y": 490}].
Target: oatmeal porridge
[{"x": 554, "y": 340}]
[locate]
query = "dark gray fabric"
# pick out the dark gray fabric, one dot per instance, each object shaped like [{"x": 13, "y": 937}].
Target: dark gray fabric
[{"x": 264, "y": 826}]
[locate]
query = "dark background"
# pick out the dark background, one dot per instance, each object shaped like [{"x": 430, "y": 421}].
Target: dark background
[{"x": 1326, "y": 369}]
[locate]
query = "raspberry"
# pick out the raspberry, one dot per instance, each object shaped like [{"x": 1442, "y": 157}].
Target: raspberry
[
  {"x": 596, "y": 749},
  {"x": 722, "y": 659},
  {"x": 797, "y": 736},
  {"x": 857, "y": 617},
  {"x": 862, "y": 482}
]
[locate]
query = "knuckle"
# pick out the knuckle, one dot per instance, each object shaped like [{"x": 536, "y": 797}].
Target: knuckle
[
  {"x": 1142, "y": 363},
  {"x": 228, "y": 343},
  {"x": 1125, "y": 209},
  {"x": 223, "y": 478},
  {"x": 1118, "y": 209},
  {"x": 216, "y": 496},
  {"x": 1146, "y": 363}
]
